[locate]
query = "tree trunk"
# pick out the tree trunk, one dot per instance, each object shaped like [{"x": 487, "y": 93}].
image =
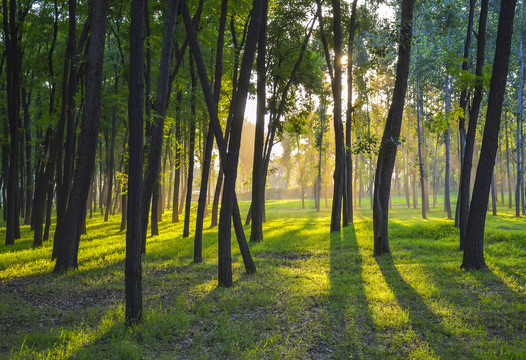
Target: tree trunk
[
  {"x": 201, "y": 206},
  {"x": 178, "y": 145},
  {"x": 340, "y": 170},
  {"x": 474, "y": 242},
  {"x": 68, "y": 251},
  {"x": 519, "y": 200},
  {"x": 13, "y": 54},
  {"x": 508, "y": 173},
  {"x": 493, "y": 196},
  {"x": 447, "y": 202},
  {"x": 420, "y": 159},
  {"x": 133, "y": 267},
  {"x": 258, "y": 187},
  {"x": 463, "y": 103},
  {"x": 465, "y": 180},
  {"x": 390, "y": 138},
  {"x": 348, "y": 200},
  {"x": 157, "y": 130},
  {"x": 26, "y": 99},
  {"x": 190, "y": 179}
]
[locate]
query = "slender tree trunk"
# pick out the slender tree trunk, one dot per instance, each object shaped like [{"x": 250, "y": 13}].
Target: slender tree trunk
[
  {"x": 519, "y": 200},
  {"x": 420, "y": 159},
  {"x": 191, "y": 155},
  {"x": 26, "y": 99},
  {"x": 111, "y": 163},
  {"x": 348, "y": 200},
  {"x": 258, "y": 187},
  {"x": 390, "y": 138},
  {"x": 508, "y": 173},
  {"x": 178, "y": 163},
  {"x": 447, "y": 202},
  {"x": 474, "y": 241},
  {"x": 493, "y": 196},
  {"x": 340, "y": 170}
]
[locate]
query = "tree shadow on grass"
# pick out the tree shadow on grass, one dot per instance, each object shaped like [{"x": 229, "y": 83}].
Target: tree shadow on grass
[
  {"x": 427, "y": 325},
  {"x": 350, "y": 330}
]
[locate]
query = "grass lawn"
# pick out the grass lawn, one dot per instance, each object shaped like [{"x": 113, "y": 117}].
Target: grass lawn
[{"x": 315, "y": 295}]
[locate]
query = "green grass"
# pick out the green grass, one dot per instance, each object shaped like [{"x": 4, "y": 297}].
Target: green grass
[{"x": 315, "y": 295}]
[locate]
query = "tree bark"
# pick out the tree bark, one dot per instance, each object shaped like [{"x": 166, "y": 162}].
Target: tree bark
[
  {"x": 474, "y": 242},
  {"x": 390, "y": 138}
]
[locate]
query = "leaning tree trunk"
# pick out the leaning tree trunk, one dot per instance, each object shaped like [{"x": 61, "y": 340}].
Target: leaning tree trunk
[
  {"x": 474, "y": 242},
  {"x": 68, "y": 252},
  {"x": 201, "y": 206},
  {"x": 390, "y": 138}
]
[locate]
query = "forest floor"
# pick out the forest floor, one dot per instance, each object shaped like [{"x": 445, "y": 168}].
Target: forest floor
[{"x": 315, "y": 295}]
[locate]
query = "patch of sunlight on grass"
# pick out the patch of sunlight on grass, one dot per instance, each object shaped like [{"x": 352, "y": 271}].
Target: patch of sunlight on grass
[
  {"x": 382, "y": 301},
  {"x": 422, "y": 352},
  {"x": 511, "y": 281}
]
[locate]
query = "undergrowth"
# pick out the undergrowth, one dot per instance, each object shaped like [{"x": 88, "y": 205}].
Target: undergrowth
[{"x": 315, "y": 295}]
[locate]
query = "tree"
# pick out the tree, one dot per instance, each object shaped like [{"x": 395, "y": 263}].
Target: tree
[
  {"x": 133, "y": 269},
  {"x": 474, "y": 243},
  {"x": 256, "y": 207},
  {"x": 225, "y": 266},
  {"x": 68, "y": 252},
  {"x": 465, "y": 180},
  {"x": 157, "y": 130},
  {"x": 390, "y": 137},
  {"x": 348, "y": 193},
  {"x": 14, "y": 58}
]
